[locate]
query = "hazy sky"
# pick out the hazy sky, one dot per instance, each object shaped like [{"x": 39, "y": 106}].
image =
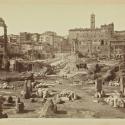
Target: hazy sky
[{"x": 60, "y": 15}]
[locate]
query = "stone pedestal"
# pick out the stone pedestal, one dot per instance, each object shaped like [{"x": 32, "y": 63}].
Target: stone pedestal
[
  {"x": 2, "y": 115},
  {"x": 20, "y": 107}
]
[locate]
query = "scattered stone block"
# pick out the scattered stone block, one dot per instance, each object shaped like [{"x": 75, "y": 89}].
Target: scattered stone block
[
  {"x": 48, "y": 109},
  {"x": 20, "y": 107}
]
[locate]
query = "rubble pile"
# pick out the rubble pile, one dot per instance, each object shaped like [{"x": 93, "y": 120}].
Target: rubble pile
[
  {"x": 48, "y": 109},
  {"x": 39, "y": 74},
  {"x": 65, "y": 70},
  {"x": 115, "y": 101},
  {"x": 5, "y": 85},
  {"x": 42, "y": 93},
  {"x": 41, "y": 85},
  {"x": 114, "y": 83},
  {"x": 66, "y": 95}
]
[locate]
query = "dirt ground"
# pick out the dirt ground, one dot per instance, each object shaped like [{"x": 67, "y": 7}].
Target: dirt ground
[{"x": 85, "y": 107}]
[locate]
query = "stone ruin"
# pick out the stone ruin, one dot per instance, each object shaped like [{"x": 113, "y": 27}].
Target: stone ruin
[
  {"x": 19, "y": 106},
  {"x": 2, "y": 114},
  {"x": 48, "y": 109}
]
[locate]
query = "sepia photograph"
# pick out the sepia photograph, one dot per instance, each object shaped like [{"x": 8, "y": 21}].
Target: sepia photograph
[{"x": 62, "y": 59}]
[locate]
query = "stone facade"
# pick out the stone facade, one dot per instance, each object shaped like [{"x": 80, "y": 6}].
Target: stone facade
[
  {"x": 24, "y": 36},
  {"x": 35, "y": 37},
  {"x": 13, "y": 38},
  {"x": 119, "y": 35},
  {"x": 14, "y": 48},
  {"x": 25, "y": 47},
  {"x": 47, "y": 37},
  {"x": 116, "y": 48},
  {"x": 92, "y": 39},
  {"x": 57, "y": 42}
]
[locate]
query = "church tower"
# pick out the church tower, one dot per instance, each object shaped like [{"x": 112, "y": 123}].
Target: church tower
[{"x": 92, "y": 21}]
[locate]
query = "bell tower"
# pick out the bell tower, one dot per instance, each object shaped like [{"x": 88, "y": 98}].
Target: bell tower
[{"x": 92, "y": 21}]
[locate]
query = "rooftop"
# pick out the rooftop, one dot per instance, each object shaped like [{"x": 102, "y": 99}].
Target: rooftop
[{"x": 84, "y": 29}]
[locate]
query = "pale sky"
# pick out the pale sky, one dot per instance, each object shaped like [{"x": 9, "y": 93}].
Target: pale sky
[{"x": 60, "y": 15}]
